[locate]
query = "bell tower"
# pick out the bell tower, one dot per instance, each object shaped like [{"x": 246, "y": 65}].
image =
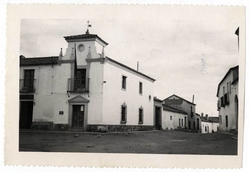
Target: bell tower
[
  {"x": 83, "y": 49},
  {"x": 84, "y": 45}
]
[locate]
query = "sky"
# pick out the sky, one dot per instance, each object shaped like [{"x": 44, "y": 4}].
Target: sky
[{"x": 188, "y": 50}]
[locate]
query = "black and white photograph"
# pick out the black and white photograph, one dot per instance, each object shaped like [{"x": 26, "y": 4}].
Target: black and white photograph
[{"x": 143, "y": 80}]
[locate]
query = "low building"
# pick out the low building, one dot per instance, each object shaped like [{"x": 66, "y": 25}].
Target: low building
[
  {"x": 209, "y": 124},
  {"x": 173, "y": 118},
  {"x": 190, "y": 120},
  {"x": 227, "y": 93}
]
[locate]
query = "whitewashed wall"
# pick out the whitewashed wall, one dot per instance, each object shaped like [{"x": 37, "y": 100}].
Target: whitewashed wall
[
  {"x": 51, "y": 92},
  {"x": 168, "y": 124},
  {"x": 211, "y": 127},
  {"x": 228, "y": 110},
  {"x": 114, "y": 96}
]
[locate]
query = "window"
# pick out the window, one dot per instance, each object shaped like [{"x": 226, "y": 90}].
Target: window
[
  {"x": 179, "y": 122},
  {"x": 124, "y": 114},
  {"x": 226, "y": 121},
  {"x": 182, "y": 122},
  {"x": 140, "y": 87},
  {"x": 141, "y": 115},
  {"x": 170, "y": 117},
  {"x": 28, "y": 82},
  {"x": 223, "y": 90},
  {"x": 80, "y": 80},
  {"x": 124, "y": 78}
]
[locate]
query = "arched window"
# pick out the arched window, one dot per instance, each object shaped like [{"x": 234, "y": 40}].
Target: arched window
[
  {"x": 140, "y": 115},
  {"x": 123, "y": 113}
]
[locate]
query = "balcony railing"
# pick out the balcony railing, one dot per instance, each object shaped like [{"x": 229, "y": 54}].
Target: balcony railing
[
  {"x": 27, "y": 85},
  {"x": 78, "y": 85}
]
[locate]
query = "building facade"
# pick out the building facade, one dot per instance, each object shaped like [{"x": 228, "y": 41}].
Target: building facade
[
  {"x": 173, "y": 118},
  {"x": 84, "y": 90},
  {"x": 227, "y": 94},
  {"x": 209, "y": 124},
  {"x": 191, "y": 122}
]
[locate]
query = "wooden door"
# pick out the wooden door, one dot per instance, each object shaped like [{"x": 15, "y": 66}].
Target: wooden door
[
  {"x": 26, "y": 113},
  {"x": 78, "y": 116},
  {"x": 158, "y": 125}
]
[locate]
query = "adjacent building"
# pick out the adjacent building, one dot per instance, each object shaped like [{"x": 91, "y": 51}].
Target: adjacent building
[
  {"x": 84, "y": 90},
  {"x": 209, "y": 124},
  {"x": 173, "y": 118},
  {"x": 190, "y": 120},
  {"x": 227, "y": 93}
]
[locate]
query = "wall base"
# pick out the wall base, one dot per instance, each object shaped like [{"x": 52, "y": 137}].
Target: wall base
[
  {"x": 118, "y": 128},
  {"x": 42, "y": 126},
  {"x": 61, "y": 127}
]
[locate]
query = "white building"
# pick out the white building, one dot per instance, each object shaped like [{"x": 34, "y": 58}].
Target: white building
[
  {"x": 227, "y": 94},
  {"x": 84, "y": 90},
  {"x": 191, "y": 121},
  {"x": 209, "y": 124},
  {"x": 173, "y": 118}
]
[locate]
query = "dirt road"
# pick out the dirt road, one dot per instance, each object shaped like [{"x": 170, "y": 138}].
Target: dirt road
[{"x": 156, "y": 142}]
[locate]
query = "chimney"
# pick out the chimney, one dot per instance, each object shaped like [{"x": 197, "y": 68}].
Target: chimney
[
  {"x": 206, "y": 116},
  {"x": 202, "y": 114},
  {"x": 137, "y": 66},
  {"x": 193, "y": 99}
]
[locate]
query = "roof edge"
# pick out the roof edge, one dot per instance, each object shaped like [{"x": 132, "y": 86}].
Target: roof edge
[
  {"x": 120, "y": 64},
  {"x": 180, "y": 98},
  {"x": 232, "y": 68}
]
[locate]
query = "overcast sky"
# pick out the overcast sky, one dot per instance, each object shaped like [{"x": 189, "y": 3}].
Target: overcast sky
[{"x": 188, "y": 51}]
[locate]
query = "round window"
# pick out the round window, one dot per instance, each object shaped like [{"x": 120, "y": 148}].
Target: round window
[{"x": 81, "y": 47}]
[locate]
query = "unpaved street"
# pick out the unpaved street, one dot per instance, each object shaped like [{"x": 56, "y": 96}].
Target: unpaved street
[{"x": 156, "y": 142}]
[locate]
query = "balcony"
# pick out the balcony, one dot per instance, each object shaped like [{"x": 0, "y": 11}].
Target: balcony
[
  {"x": 27, "y": 85},
  {"x": 78, "y": 85}
]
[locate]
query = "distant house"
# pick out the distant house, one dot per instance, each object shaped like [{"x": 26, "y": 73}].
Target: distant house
[
  {"x": 190, "y": 120},
  {"x": 227, "y": 93},
  {"x": 209, "y": 124}
]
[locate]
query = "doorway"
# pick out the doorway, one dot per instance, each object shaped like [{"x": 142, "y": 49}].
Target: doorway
[
  {"x": 78, "y": 117},
  {"x": 158, "y": 125},
  {"x": 236, "y": 112},
  {"x": 26, "y": 113}
]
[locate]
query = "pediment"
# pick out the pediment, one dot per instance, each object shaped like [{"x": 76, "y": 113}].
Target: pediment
[{"x": 78, "y": 99}]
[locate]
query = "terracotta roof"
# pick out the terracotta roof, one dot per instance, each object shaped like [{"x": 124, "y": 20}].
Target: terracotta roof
[
  {"x": 180, "y": 98},
  {"x": 85, "y": 36},
  {"x": 231, "y": 69},
  {"x": 173, "y": 109},
  {"x": 120, "y": 64},
  {"x": 36, "y": 61}
]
